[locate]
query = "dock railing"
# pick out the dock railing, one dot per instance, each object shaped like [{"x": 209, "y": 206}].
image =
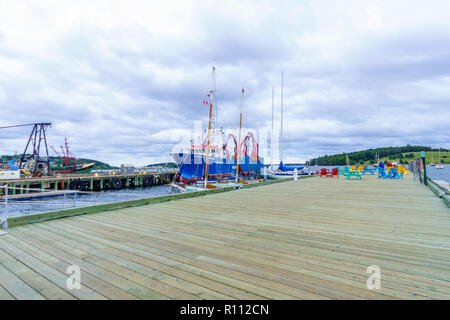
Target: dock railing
[{"x": 416, "y": 167}]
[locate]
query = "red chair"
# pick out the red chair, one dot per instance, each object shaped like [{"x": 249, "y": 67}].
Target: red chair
[
  {"x": 335, "y": 172},
  {"x": 323, "y": 172}
]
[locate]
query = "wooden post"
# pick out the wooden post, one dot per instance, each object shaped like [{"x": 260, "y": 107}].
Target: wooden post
[
  {"x": 14, "y": 188},
  {"x": 425, "y": 181},
  {"x": 56, "y": 185},
  {"x": 92, "y": 184},
  {"x": 101, "y": 184},
  {"x": 28, "y": 187}
]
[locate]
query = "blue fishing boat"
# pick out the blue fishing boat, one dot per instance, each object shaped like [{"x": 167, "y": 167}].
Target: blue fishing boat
[{"x": 210, "y": 160}]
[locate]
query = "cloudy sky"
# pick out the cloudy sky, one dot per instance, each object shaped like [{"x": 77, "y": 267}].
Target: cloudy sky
[{"x": 124, "y": 80}]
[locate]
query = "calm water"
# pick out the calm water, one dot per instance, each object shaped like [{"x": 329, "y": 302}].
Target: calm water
[{"x": 17, "y": 208}]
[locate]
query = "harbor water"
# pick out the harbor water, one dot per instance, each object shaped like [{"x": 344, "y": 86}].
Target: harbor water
[{"x": 23, "y": 207}]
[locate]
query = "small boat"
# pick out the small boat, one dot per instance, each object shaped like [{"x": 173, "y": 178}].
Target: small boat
[
  {"x": 283, "y": 171},
  {"x": 70, "y": 162}
]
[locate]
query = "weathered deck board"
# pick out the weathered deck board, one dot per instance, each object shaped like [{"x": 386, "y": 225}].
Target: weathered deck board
[{"x": 309, "y": 239}]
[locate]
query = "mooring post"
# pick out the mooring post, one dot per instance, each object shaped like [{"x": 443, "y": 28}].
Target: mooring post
[
  {"x": 5, "y": 224},
  {"x": 422, "y": 155}
]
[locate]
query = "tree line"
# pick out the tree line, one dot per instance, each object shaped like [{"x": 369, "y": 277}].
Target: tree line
[{"x": 392, "y": 153}]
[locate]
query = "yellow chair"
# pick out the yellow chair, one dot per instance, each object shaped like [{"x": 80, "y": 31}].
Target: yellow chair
[
  {"x": 360, "y": 168},
  {"x": 352, "y": 168}
]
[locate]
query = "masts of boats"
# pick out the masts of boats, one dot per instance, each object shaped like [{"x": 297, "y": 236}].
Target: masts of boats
[
  {"x": 239, "y": 139},
  {"x": 440, "y": 165},
  {"x": 211, "y": 94},
  {"x": 272, "y": 138},
  {"x": 281, "y": 126}
]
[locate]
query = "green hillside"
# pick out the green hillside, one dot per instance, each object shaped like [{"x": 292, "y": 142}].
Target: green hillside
[
  {"x": 171, "y": 165},
  {"x": 399, "y": 154},
  {"x": 56, "y": 162}
]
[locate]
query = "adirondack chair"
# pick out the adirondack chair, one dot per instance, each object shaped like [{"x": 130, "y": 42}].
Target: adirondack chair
[
  {"x": 335, "y": 172},
  {"x": 393, "y": 174},
  {"x": 381, "y": 173},
  {"x": 323, "y": 172}
]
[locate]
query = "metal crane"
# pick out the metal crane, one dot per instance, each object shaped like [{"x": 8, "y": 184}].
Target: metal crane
[{"x": 31, "y": 160}]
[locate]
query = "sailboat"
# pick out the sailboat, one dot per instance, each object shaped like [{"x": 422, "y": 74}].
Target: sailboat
[
  {"x": 440, "y": 165},
  {"x": 432, "y": 161},
  {"x": 209, "y": 163},
  {"x": 283, "y": 171}
]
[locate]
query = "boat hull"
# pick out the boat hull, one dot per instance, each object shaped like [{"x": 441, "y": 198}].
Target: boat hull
[{"x": 193, "y": 165}]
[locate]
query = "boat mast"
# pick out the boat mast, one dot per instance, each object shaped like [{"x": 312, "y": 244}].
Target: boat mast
[
  {"x": 281, "y": 128},
  {"x": 211, "y": 98},
  {"x": 239, "y": 139},
  {"x": 209, "y": 137},
  {"x": 271, "y": 143}
]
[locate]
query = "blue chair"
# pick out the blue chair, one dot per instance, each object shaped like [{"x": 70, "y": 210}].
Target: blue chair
[
  {"x": 381, "y": 173},
  {"x": 394, "y": 174}
]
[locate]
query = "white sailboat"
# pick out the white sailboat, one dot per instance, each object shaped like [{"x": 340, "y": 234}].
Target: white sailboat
[
  {"x": 440, "y": 165},
  {"x": 282, "y": 171}
]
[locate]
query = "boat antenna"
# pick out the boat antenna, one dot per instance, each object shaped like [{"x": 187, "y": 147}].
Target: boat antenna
[
  {"x": 281, "y": 128},
  {"x": 239, "y": 139},
  {"x": 213, "y": 90}
]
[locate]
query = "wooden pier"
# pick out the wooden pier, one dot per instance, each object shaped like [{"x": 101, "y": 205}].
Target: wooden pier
[
  {"x": 306, "y": 239},
  {"x": 87, "y": 182}
]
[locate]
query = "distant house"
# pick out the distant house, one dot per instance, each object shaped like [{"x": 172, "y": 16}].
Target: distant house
[{"x": 126, "y": 168}]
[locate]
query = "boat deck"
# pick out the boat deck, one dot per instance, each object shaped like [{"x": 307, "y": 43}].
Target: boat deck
[{"x": 305, "y": 239}]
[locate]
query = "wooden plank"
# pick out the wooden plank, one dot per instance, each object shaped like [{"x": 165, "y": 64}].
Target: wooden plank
[
  {"x": 16, "y": 287},
  {"x": 50, "y": 273},
  {"x": 36, "y": 281},
  {"x": 115, "y": 273},
  {"x": 5, "y": 295},
  {"x": 316, "y": 243}
]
